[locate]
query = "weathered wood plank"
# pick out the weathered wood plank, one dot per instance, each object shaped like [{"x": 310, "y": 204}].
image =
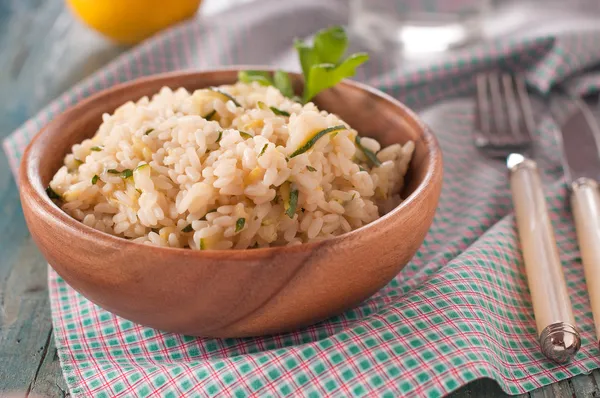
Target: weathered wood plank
[
  {"x": 50, "y": 381},
  {"x": 561, "y": 389},
  {"x": 23, "y": 345},
  {"x": 482, "y": 388},
  {"x": 585, "y": 386},
  {"x": 26, "y": 321}
]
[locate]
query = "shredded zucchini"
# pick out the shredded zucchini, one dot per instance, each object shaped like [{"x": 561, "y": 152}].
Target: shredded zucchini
[
  {"x": 210, "y": 115},
  {"x": 51, "y": 193},
  {"x": 371, "y": 157},
  {"x": 311, "y": 142},
  {"x": 226, "y": 95}
]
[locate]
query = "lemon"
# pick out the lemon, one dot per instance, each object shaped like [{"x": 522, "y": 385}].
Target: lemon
[{"x": 131, "y": 21}]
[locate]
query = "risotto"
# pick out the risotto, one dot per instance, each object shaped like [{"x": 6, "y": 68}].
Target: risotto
[{"x": 233, "y": 167}]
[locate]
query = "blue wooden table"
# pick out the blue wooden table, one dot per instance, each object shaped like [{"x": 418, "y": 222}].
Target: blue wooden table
[{"x": 44, "y": 51}]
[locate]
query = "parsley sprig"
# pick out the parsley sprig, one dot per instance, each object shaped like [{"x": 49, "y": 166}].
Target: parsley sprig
[{"x": 323, "y": 65}]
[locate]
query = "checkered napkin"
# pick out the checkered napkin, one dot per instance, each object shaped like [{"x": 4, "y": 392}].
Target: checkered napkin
[{"x": 459, "y": 311}]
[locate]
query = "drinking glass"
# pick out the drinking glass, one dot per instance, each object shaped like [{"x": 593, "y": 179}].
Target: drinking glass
[{"x": 418, "y": 26}]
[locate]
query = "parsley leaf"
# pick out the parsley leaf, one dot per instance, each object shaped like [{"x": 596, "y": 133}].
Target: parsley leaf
[
  {"x": 324, "y": 76},
  {"x": 249, "y": 76},
  {"x": 330, "y": 44},
  {"x": 282, "y": 81},
  {"x": 323, "y": 65}
]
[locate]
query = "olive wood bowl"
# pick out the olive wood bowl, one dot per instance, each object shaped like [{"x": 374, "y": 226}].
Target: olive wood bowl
[{"x": 232, "y": 293}]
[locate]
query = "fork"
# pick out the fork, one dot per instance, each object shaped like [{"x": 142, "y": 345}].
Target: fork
[{"x": 504, "y": 125}]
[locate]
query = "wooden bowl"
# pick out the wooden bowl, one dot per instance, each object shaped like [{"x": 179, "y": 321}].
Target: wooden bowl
[{"x": 232, "y": 293}]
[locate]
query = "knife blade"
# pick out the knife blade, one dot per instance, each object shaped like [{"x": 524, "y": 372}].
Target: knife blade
[
  {"x": 580, "y": 141},
  {"x": 581, "y": 165}
]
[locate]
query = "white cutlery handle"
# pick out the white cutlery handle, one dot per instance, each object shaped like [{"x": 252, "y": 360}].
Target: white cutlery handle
[
  {"x": 558, "y": 337},
  {"x": 585, "y": 202}
]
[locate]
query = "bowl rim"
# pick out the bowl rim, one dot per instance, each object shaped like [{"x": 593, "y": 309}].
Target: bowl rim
[{"x": 28, "y": 179}]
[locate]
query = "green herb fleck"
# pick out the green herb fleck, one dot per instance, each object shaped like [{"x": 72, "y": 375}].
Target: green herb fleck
[
  {"x": 262, "y": 151},
  {"x": 219, "y": 137},
  {"x": 245, "y": 135},
  {"x": 283, "y": 83},
  {"x": 314, "y": 139},
  {"x": 249, "y": 76},
  {"x": 293, "y": 203},
  {"x": 138, "y": 191},
  {"x": 262, "y": 105},
  {"x": 202, "y": 245},
  {"x": 124, "y": 174},
  {"x": 371, "y": 157},
  {"x": 95, "y": 179},
  {"x": 96, "y": 148},
  {"x": 142, "y": 166},
  {"x": 361, "y": 168},
  {"x": 229, "y": 96},
  {"x": 188, "y": 228},
  {"x": 51, "y": 193},
  {"x": 210, "y": 115},
  {"x": 78, "y": 162},
  {"x": 310, "y": 168},
  {"x": 239, "y": 224},
  {"x": 127, "y": 173},
  {"x": 148, "y": 131},
  {"x": 279, "y": 112},
  {"x": 208, "y": 212}
]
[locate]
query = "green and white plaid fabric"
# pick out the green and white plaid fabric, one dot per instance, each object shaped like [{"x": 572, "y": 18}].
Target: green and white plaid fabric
[{"x": 459, "y": 311}]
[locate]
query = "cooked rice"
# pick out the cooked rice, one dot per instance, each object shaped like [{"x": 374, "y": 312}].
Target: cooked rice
[{"x": 189, "y": 188}]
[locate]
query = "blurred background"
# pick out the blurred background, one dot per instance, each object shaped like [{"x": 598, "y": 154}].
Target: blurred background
[{"x": 48, "y": 45}]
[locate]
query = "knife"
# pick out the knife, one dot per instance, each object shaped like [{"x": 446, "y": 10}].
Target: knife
[{"x": 581, "y": 164}]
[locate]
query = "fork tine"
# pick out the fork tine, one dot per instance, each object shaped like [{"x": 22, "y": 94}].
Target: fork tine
[
  {"x": 525, "y": 104},
  {"x": 512, "y": 105},
  {"x": 482, "y": 106},
  {"x": 497, "y": 104}
]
